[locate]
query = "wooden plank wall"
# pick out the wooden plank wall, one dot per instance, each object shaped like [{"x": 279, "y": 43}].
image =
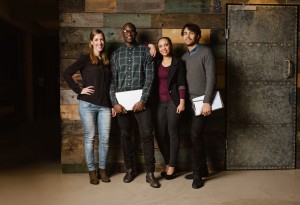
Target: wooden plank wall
[{"x": 153, "y": 20}]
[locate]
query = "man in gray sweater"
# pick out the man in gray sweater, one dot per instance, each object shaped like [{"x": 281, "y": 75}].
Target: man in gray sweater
[{"x": 201, "y": 78}]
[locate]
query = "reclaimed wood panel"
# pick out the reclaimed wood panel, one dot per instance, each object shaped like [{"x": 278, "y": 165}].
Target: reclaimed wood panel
[
  {"x": 74, "y": 35},
  {"x": 68, "y": 97},
  {"x": 298, "y": 81},
  {"x": 65, "y": 63},
  {"x": 73, "y": 151},
  {"x": 177, "y": 21},
  {"x": 257, "y": 1},
  {"x": 81, "y": 20},
  {"x": 118, "y": 20},
  {"x": 69, "y": 112},
  {"x": 71, "y": 127},
  {"x": 175, "y": 35},
  {"x": 71, "y": 5},
  {"x": 220, "y": 81},
  {"x": 219, "y": 50},
  {"x": 73, "y": 50},
  {"x": 101, "y": 6},
  {"x": 217, "y": 36},
  {"x": 141, "y": 6},
  {"x": 74, "y": 127},
  {"x": 220, "y": 66},
  {"x": 144, "y": 35},
  {"x": 81, "y": 35},
  {"x": 188, "y": 7}
]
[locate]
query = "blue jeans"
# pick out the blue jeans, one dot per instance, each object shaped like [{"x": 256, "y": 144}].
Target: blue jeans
[{"x": 90, "y": 116}]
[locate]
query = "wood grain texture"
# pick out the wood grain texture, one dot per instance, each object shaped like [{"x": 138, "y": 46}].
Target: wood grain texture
[
  {"x": 141, "y": 6},
  {"x": 177, "y": 21},
  {"x": 81, "y": 20},
  {"x": 188, "y": 7},
  {"x": 71, "y": 5},
  {"x": 175, "y": 35},
  {"x": 118, "y": 20},
  {"x": 81, "y": 35},
  {"x": 100, "y": 6},
  {"x": 73, "y": 50},
  {"x": 71, "y": 127},
  {"x": 68, "y": 97},
  {"x": 69, "y": 112}
]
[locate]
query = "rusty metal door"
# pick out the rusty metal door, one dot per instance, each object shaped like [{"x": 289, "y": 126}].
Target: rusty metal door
[{"x": 261, "y": 86}]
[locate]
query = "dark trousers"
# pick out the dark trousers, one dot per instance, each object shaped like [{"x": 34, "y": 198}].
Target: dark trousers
[
  {"x": 144, "y": 121},
  {"x": 167, "y": 137},
  {"x": 197, "y": 137}
]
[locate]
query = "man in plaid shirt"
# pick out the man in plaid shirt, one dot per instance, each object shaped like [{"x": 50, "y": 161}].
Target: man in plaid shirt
[{"x": 133, "y": 68}]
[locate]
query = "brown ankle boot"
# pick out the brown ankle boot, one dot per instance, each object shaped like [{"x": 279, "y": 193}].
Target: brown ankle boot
[
  {"x": 102, "y": 175},
  {"x": 93, "y": 177}
]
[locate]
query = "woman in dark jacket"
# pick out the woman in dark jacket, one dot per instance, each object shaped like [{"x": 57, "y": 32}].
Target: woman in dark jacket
[{"x": 171, "y": 85}]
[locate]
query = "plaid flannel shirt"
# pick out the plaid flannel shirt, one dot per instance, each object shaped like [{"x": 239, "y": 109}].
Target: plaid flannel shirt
[{"x": 132, "y": 68}]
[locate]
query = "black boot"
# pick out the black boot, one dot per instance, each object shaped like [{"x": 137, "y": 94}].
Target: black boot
[
  {"x": 129, "y": 176},
  {"x": 150, "y": 178},
  {"x": 204, "y": 173},
  {"x": 197, "y": 180}
]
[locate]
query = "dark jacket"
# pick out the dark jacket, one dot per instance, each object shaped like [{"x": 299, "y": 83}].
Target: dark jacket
[{"x": 176, "y": 79}]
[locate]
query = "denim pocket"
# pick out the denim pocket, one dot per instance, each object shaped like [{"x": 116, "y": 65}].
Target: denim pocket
[{"x": 83, "y": 104}]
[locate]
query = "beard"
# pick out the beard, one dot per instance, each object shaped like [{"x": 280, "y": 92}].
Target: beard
[{"x": 190, "y": 43}]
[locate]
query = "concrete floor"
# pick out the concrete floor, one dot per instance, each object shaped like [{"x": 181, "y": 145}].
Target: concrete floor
[
  {"x": 43, "y": 184},
  {"x": 30, "y": 174}
]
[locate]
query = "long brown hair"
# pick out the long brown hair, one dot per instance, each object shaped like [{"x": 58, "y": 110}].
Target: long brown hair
[{"x": 103, "y": 54}]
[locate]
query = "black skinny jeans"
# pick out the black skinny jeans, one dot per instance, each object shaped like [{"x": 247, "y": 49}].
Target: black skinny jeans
[
  {"x": 144, "y": 121},
  {"x": 167, "y": 132},
  {"x": 197, "y": 137}
]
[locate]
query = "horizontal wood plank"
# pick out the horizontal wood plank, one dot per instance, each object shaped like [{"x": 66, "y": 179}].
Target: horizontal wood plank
[
  {"x": 73, "y": 50},
  {"x": 141, "y": 6},
  {"x": 71, "y": 127},
  {"x": 175, "y": 35},
  {"x": 118, "y": 20},
  {"x": 81, "y": 35},
  {"x": 68, "y": 97},
  {"x": 177, "y": 21},
  {"x": 71, "y": 5},
  {"x": 69, "y": 112},
  {"x": 100, "y": 6},
  {"x": 64, "y": 64},
  {"x": 81, "y": 20},
  {"x": 188, "y": 7}
]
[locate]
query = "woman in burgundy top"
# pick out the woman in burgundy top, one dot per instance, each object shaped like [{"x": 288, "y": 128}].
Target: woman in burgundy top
[
  {"x": 94, "y": 103},
  {"x": 171, "y": 94}
]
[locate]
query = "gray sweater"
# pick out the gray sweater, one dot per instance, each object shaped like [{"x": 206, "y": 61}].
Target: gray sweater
[{"x": 201, "y": 73}]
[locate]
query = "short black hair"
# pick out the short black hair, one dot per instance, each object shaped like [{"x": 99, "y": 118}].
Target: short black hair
[{"x": 192, "y": 27}]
